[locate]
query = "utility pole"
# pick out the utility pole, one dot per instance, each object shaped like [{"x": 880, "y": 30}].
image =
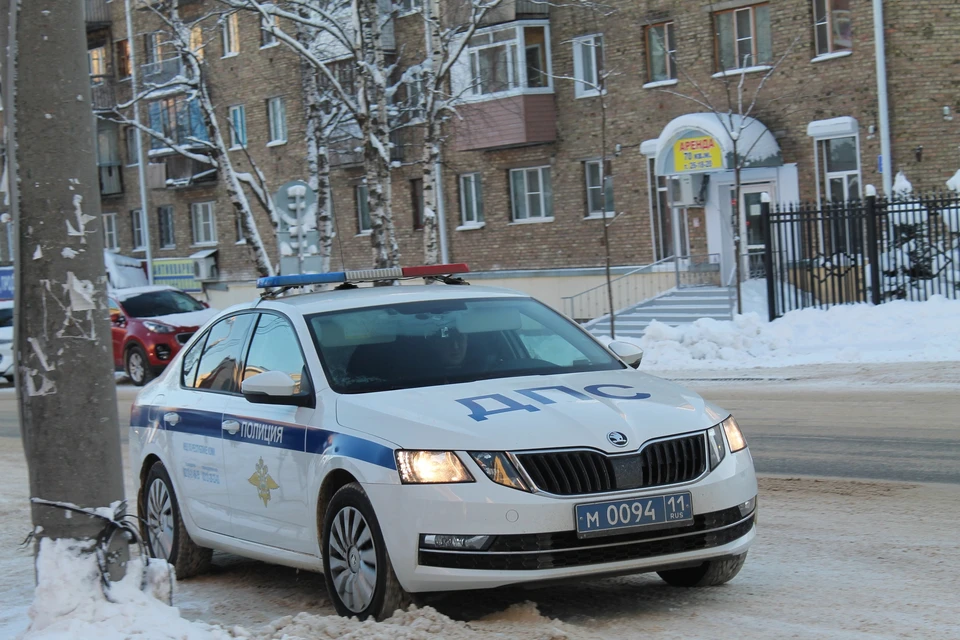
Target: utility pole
[{"x": 67, "y": 397}]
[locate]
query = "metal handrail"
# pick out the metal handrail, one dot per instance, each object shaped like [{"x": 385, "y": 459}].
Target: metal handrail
[{"x": 620, "y": 277}]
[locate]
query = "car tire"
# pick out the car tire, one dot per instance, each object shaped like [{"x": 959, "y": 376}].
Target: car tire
[
  {"x": 138, "y": 366},
  {"x": 708, "y": 574},
  {"x": 349, "y": 547},
  {"x": 162, "y": 526}
]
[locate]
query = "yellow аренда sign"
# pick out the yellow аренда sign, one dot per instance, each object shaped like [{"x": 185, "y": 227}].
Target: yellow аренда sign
[{"x": 697, "y": 154}]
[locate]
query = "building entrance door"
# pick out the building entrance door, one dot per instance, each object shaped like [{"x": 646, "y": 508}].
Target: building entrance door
[{"x": 751, "y": 224}]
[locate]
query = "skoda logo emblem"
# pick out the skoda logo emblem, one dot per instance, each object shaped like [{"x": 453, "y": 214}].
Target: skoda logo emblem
[{"x": 617, "y": 439}]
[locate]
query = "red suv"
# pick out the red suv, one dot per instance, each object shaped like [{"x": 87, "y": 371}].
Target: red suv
[{"x": 150, "y": 324}]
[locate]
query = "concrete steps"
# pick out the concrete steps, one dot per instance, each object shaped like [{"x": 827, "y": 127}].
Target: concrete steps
[{"x": 680, "y": 306}]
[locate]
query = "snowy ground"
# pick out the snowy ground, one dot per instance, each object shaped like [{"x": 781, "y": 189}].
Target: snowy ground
[
  {"x": 892, "y": 332},
  {"x": 837, "y": 559}
]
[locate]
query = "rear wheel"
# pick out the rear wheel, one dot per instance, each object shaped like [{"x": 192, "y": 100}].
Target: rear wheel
[
  {"x": 709, "y": 574},
  {"x": 356, "y": 566},
  {"x": 163, "y": 528},
  {"x": 138, "y": 366}
]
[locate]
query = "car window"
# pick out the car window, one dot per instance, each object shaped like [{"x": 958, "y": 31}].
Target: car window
[
  {"x": 436, "y": 342},
  {"x": 219, "y": 365},
  {"x": 191, "y": 360},
  {"x": 6, "y": 317},
  {"x": 160, "y": 303},
  {"x": 275, "y": 347}
]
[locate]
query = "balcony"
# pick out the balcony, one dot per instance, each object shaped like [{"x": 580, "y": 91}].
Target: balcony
[
  {"x": 161, "y": 71},
  {"x": 176, "y": 171},
  {"x": 111, "y": 180},
  {"x": 102, "y": 93},
  {"x": 512, "y": 121},
  {"x": 510, "y": 10},
  {"x": 96, "y": 13}
]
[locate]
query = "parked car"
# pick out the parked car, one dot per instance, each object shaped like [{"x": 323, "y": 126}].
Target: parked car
[
  {"x": 6, "y": 340},
  {"x": 149, "y": 325}
]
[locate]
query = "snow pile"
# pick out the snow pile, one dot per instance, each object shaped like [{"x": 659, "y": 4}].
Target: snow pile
[
  {"x": 69, "y": 602},
  {"x": 897, "y": 331},
  {"x": 518, "y": 621}
]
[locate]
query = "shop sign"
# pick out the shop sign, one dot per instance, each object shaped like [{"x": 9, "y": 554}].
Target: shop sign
[{"x": 698, "y": 154}]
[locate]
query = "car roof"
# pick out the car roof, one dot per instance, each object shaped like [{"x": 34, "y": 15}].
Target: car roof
[
  {"x": 124, "y": 294},
  {"x": 310, "y": 303}
]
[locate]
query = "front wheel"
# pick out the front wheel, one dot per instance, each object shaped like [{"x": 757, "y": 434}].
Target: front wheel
[
  {"x": 163, "y": 528},
  {"x": 138, "y": 366},
  {"x": 708, "y": 574},
  {"x": 356, "y": 566}
]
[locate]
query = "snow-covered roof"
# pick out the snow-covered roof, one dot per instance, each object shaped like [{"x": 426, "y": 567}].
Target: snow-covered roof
[
  {"x": 832, "y": 127},
  {"x": 754, "y": 140}
]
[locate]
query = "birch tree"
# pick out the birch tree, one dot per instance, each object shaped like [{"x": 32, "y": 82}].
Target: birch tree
[{"x": 209, "y": 148}]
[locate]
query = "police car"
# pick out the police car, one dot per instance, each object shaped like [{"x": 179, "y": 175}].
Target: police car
[{"x": 420, "y": 438}]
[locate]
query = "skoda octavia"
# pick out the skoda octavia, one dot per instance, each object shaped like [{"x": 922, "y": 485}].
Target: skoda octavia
[{"x": 414, "y": 439}]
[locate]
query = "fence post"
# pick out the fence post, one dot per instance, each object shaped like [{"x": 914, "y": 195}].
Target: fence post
[
  {"x": 766, "y": 224},
  {"x": 873, "y": 244}
]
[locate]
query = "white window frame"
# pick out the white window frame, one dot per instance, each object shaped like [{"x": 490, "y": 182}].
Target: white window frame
[
  {"x": 474, "y": 182},
  {"x": 162, "y": 211},
  {"x": 516, "y": 66},
  {"x": 592, "y": 43},
  {"x": 203, "y": 221},
  {"x": 137, "y": 230},
  {"x": 832, "y": 49},
  {"x": 238, "y": 126},
  {"x": 267, "y": 38},
  {"x": 277, "y": 120},
  {"x": 823, "y": 178},
  {"x": 362, "y": 194},
  {"x": 407, "y": 7},
  {"x": 230, "y": 35},
  {"x": 602, "y": 187},
  {"x": 110, "y": 240},
  {"x": 737, "y": 38},
  {"x": 196, "y": 41},
  {"x": 545, "y": 203},
  {"x": 97, "y": 62}
]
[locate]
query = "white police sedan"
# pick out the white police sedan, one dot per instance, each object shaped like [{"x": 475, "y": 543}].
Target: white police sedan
[{"x": 430, "y": 438}]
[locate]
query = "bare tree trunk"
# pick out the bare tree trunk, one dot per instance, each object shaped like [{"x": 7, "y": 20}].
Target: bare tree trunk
[
  {"x": 67, "y": 396},
  {"x": 318, "y": 160},
  {"x": 736, "y": 222},
  {"x": 431, "y": 154}
]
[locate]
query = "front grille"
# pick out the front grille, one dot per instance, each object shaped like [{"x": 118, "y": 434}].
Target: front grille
[
  {"x": 659, "y": 463},
  {"x": 182, "y": 338},
  {"x": 533, "y": 552}
]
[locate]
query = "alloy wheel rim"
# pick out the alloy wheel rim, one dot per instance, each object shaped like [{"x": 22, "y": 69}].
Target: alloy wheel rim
[
  {"x": 352, "y": 554},
  {"x": 160, "y": 519},
  {"x": 136, "y": 367}
]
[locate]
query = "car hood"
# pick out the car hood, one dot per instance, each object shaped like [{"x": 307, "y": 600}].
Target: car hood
[
  {"x": 190, "y": 319},
  {"x": 533, "y": 412}
]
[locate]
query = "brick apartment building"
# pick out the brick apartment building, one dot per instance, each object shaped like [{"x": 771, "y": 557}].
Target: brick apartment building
[{"x": 526, "y": 185}]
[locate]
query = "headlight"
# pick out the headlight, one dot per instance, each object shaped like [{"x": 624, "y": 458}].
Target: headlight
[
  {"x": 498, "y": 468},
  {"x": 158, "y": 327},
  {"x": 734, "y": 436},
  {"x": 431, "y": 467},
  {"x": 715, "y": 443}
]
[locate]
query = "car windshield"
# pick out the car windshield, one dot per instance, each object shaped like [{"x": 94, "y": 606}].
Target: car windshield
[
  {"x": 420, "y": 344},
  {"x": 159, "y": 303}
]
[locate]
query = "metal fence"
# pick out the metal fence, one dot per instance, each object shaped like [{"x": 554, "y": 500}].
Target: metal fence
[
  {"x": 872, "y": 250},
  {"x": 644, "y": 283}
]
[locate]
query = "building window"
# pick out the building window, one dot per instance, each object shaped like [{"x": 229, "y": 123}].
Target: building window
[
  {"x": 238, "y": 127},
  {"x": 123, "y": 59},
  {"x": 152, "y": 45},
  {"x": 204, "y": 223},
  {"x": 108, "y": 158},
  {"x": 599, "y": 188},
  {"x": 661, "y": 216},
  {"x": 179, "y": 119},
  {"x": 409, "y": 6},
  {"x": 165, "y": 223},
  {"x": 531, "y": 194},
  {"x": 471, "y": 200},
  {"x": 743, "y": 37},
  {"x": 661, "y": 53},
  {"x": 196, "y": 41},
  {"x": 267, "y": 38},
  {"x": 841, "y": 169},
  {"x": 495, "y": 63},
  {"x": 230, "y": 35},
  {"x": 588, "y": 65},
  {"x": 832, "y": 26},
  {"x": 110, "y": 231},
  {"x": 97, "y": 62},
  {"x": 416, "y": 202},
  {"x": 363, "y": 209},
  {"x": 277, "y": 115},
  {"x": 136, "y": 227},
  {"x": 130, "y": 137},
  {"x": 241, "y": 236}
]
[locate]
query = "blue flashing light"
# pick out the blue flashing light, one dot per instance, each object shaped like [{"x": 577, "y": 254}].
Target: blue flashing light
[{"x": 302, "y": 279}]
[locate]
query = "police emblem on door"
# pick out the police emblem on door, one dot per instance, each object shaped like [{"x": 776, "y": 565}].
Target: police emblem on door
[{"x": 263, "y": 482}]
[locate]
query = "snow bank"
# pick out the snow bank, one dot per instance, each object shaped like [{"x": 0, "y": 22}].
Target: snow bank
[
  {"x": 896, "y": 331},
  {"x": 69, "y": 602}
]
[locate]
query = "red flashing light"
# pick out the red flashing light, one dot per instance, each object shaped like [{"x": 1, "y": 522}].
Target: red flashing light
[{"x": 435, "y": 270}]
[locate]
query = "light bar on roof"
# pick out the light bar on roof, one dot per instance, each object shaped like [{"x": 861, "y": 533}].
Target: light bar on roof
[{"x": 361, "y": 275}]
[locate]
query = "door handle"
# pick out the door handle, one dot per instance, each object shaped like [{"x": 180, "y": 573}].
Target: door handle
[
  {"x": 173, "y": 419},
  {"x": 231, "y": 426}
]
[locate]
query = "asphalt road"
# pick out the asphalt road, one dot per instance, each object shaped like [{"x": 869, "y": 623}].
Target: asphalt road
[{"x": 877, "y": 432}]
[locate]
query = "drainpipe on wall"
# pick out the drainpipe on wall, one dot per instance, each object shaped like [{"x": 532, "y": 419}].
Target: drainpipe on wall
[
  {"x": 141, "y": 167},
  {"x": 883, "y": 107}
]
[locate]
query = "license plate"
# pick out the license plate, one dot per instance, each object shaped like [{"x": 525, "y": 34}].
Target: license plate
[{"x": 602, "y": 518}]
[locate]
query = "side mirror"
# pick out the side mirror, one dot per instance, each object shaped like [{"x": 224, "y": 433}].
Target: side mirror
[
  {"x": 629, "y": 353},
  {"x": 205, "y": 305},
  {"x": 118, "y": 319},
  {"x": 274, "y": 387}
]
